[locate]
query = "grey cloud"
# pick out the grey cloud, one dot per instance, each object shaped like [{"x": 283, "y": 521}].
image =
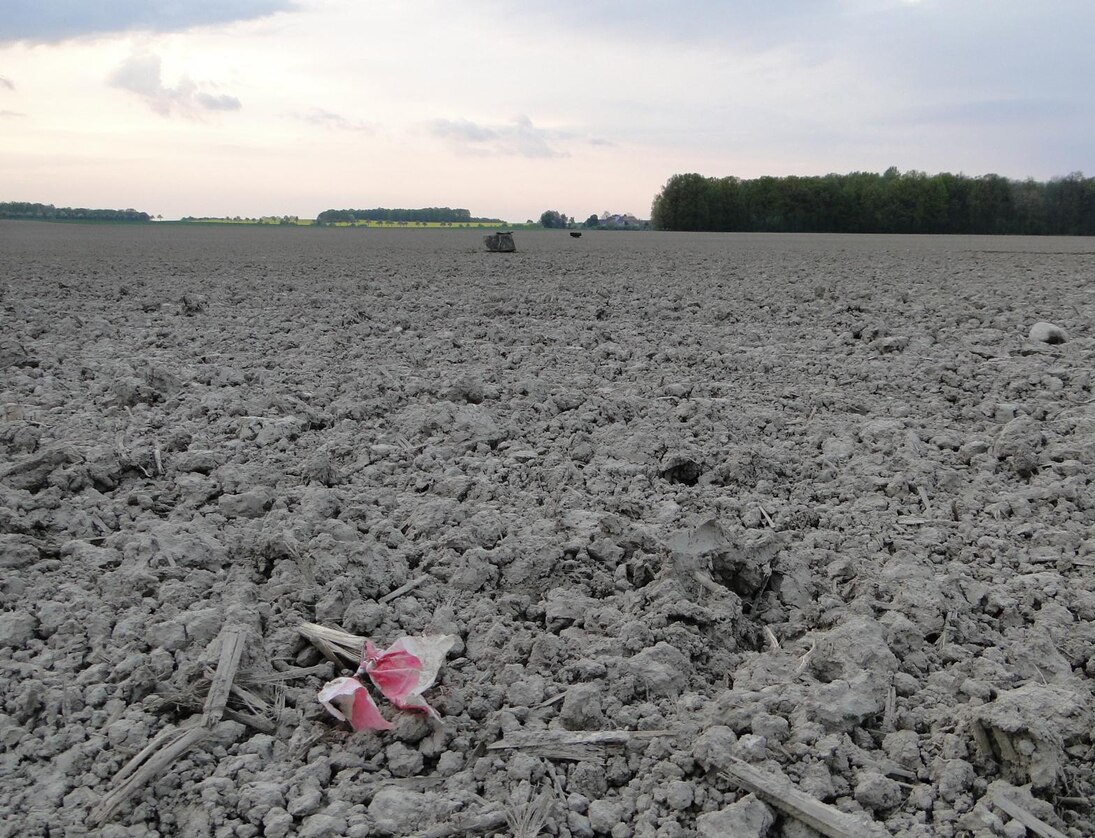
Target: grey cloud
[
  {"x": 142, "y": 76},
  {"x": 8, "y": 83},
  {"x": 333, "y": 121},
  {"x": 519, "y": 137},
  {"x": 11, "y": 114},
  {"x": 918, "y": 50},
  {"x": 462, "y": 130},
  {"x": 213, "y": 102},
  {"x": 49, "y": 21}
]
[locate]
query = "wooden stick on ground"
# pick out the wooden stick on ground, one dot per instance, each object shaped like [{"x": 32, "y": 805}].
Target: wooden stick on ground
[
  {"x": 550, "y": 738},
  {"x": 547, "y": 702},
  {"x": 767, "y": 517},
  {"x": 1030, "y": 821},
  {"x": 404, "y": 589},
  {"x": 476, "y": 825},
  {"x": 783, "y": 795},
  {"x": 168, "y": 746},
  {"x": 709, "y": 583},
  {"x": 167, "y": 753},
  {"x": 231, "y": 650}
]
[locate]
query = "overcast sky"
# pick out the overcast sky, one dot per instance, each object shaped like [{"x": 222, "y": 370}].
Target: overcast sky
[{"x": 249, "y": 107}]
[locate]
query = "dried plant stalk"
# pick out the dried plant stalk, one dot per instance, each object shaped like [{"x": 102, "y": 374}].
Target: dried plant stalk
[
  {"x": 168, "y": 746},
  {"x": 557, "y": 738},
  {"x": 527, "y": 818},
  {"x": 231, "y": 650},
  {"x": 785, "y": 796},
  {"x": 167, "y": 750},
  {"x": 333, "y": 643}
]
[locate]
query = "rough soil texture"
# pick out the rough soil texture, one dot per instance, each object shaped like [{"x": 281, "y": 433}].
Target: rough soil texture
[{"x": 816, "y": 503}]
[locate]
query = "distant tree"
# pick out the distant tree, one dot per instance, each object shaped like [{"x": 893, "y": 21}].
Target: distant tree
[
  {"x": 592, "y": 221},
  {"x": 683, "y": 204},
  {"x": 48, "y": 212},
  {"x": 866, "y": 202},
  {"x": 552, "y": 219},
  {"x": 383, "y": 215}
]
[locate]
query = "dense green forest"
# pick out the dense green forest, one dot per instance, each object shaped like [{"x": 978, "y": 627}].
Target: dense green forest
[
  {"x": 441, "y": 215},
  {"x": 865, "y": 202},
  {"x": 48, "y": 212}
]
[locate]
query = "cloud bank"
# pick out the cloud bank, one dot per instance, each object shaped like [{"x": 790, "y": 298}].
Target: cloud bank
[
  {"x": 142, "y": 76},
  {"x": 50, "y": 21},
  {"x": 334, "y": 121},
  {"x": 519, "y": 137}
]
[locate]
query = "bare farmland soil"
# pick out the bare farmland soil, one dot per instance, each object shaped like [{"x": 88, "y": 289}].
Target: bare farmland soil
[{"x": 812, "y": 504}]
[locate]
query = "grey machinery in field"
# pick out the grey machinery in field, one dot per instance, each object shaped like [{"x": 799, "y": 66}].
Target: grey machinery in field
[{"x": 500, "y": 243}]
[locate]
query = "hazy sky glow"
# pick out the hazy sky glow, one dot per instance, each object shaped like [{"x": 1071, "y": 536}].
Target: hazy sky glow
[{"x": 250, "y": 107}]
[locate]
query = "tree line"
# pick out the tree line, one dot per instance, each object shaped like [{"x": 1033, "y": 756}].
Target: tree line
[
  {"x": 866, "y": 202},
  {"x": 440, "y": 215},
  {"x": 553, "y": 219},
  {"x": 48, "y": 212}
]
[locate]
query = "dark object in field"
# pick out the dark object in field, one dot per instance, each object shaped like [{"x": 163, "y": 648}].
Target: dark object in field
[
  {"x": 575, "y": 235},
  {"x": 682, "y": 470},
  {"x": 500, "y": 243}
]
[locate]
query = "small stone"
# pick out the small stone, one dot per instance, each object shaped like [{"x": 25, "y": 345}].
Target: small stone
[
  {"x": 747, "y": 818},
  {"x": 751, "y": 748},
  {"x": 714, "y": 747},
  {"x": 844, "y": 705},
  {"x": 877, "y": 792},
  {"x": 1015, "y": 829},
  {"x": 252, "y": 504},
  {"x": 604, "y": 815},
  {"x": 1022, "y": 437},
  {"x": 32, "y": 473},
  {"x": 772, "y": 728},
  {"x": 1043, "y": 332},
  {"x": 15, "y": 553},
  {"x": 856, "y": 644},
  {"x": 322, "y": 826},
  {"x": 403, "y": 761},
  {"x": 169, "y": 636},
  {"x": 260, "y": 798},
  {"x": 589, "y": 779},
  {"x": 198, "y": 462},
  {"x": 306, "y": 801},
  {"x": 816, "y": 780},
  {"x": 661, "y": 669},
  {"x": 450, "y": 763},
  {"x": 582, "y": 708},
  {"x": 277, "y": 823},
  {"x": 679, "y": 795},
  {"x": 579, "y": 825},
  {"x": 527, "y": 692},
  {"x": 955, "y": 777},
  {"x": 16, "y": 628},
  {"x": 398, "y": 811},
  {"x": 578, "y": 803},
  {"x": 903, "y": 747}
]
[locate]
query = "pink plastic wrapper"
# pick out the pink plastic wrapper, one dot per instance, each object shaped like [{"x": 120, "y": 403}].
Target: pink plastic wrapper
[
  {"x": 349, "y": 700},
  {"x": 402, "y": 673}
]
